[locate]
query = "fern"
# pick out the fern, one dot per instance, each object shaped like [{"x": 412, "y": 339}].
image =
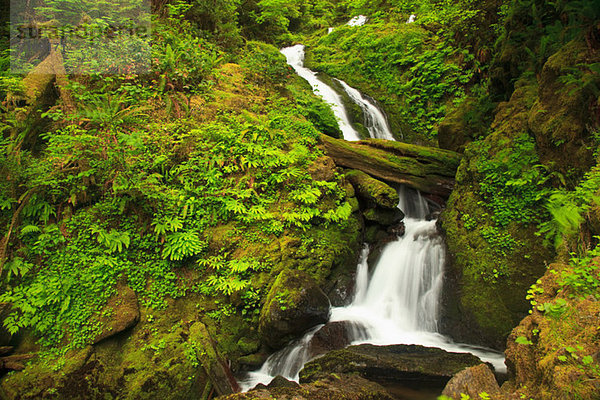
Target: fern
[{"x": 180, "y": 245}]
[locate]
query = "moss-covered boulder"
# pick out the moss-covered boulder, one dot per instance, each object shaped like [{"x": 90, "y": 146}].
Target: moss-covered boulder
[
  {"x": 371, "y": 190},
  {"x": 562, "y": 113},
  {"x": 169, "y": 354},
  {"x": 295, "y": 303},
  {"x": 333, "y": 387},
  {"x": 465, "y": 123},
  {"x": 415, "y": 366},
  {"x": 472, "y": 382},
  {"x": 554, "y": 353},
  {"x": 383, "y": 217}
]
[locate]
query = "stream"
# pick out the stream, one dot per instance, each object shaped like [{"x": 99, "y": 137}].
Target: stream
[{"x": 400, "y": 302}]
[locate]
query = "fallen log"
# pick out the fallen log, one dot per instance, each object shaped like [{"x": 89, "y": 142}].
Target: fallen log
[{"x": 428, "y": 169}]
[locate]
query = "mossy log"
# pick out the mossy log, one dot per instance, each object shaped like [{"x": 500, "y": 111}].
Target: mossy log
[{"x": 427, "y": 169}]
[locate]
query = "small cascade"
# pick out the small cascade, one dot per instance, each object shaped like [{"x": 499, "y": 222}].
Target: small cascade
[
  {"x": 375, "y": 120},
  {"x": 295, "y": 58},
  {"x": 359, "y": 20}
]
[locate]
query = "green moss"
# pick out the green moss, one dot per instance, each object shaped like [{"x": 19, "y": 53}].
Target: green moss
[{"x": 373, "y": 190}]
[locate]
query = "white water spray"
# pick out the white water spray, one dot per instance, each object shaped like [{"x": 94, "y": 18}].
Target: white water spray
[{"x": 375, "y": 120}]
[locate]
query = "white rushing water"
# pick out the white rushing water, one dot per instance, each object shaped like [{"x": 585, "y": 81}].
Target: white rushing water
[
  {"x": 359, "y": 20},
  {"x": 374, "y": 119},
  {"x": 399, "y": 304},
  {"x": 295, "y": 58}
]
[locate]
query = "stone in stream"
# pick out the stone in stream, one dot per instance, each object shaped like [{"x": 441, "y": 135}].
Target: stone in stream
[
  {"x": 410, "y": 366},
  {"x": 294, "y": 304},
  {"x": 472, "y": 381},
  {"x": 334, "y": 336}
]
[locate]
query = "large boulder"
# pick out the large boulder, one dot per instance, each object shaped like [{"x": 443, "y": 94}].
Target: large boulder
[
  {"x": 169, "y": 354},
  {"x": 554, "y": 353},
  {"x": 411, "y": 365},
  {"x": 490, "y": 265},
  {"x": 294, "y": 304},
  {"x": 333, "y": 387},
  {"x": 472, "y": 381}
]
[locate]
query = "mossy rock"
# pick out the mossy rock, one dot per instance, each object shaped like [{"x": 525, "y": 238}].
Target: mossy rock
[
  {"x": 383, "y": 217},
  {"x": 295, "y": 304},
  {"x": 469, "y": 121},
  {"x": 373, "y": 191},
  {"x": 120, "y": 313},
  {"x": 546, "y": 363},
  {"x": 419, "y": 366},
  {"x": 561, "y": 116},
  {"x": 333, "y": 387},
  {"x": 169, "y": 354}
]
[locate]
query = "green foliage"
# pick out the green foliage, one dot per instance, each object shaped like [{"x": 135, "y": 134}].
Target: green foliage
[
  {"x": 523, "y": 340},
  {"x": 512, "y": 182},
  {"x": 180, "y": 245},
  {"x": 583, "y": 278},
  {"x": 181, "y": 59},
  {"x": 266, "y": 63},
  {"x": 125, "y": 188},
  {"x": 553, "y": 309},
  {"x": 569, "y": 209}
]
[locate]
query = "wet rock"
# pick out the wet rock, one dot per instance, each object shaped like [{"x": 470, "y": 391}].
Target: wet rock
[
  {"x": 371, "y": 190},
  {"x": 123, "y": 313},
  {"x": 411, "y": 365},
  {"x": 333, "y": 387},
  {"x": 383, "y": 216},
  {"x": 335, "y": 336},
  {"x": 280, "y": 382},
  {"x": 472, "y": 381},
  {"x": 294, "y": 304}
]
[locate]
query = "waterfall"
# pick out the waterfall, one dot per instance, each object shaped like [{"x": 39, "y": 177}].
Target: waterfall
[
  {"x": 295, "y": 58},
  {"x": 375, "y": 120},
  {"x": 399, "y": 303}
]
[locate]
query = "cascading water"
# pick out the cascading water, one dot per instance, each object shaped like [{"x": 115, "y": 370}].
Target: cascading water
[
  {"x": 399, "y": 304},
  {"x": 375, "y": 120},
  {"x": 295, "y": 58}
]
